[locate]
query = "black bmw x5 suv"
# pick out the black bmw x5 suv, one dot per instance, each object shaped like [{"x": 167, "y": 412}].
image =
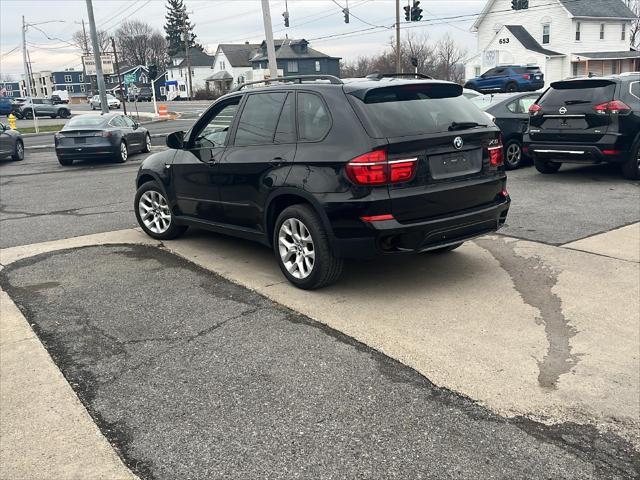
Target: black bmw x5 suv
[{"x": 322, "y": 170}]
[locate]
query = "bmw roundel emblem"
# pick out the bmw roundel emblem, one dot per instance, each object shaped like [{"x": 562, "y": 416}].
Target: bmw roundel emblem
[
  {"x": 562, "y": 110},
  {"x": 458, "y": 143}
]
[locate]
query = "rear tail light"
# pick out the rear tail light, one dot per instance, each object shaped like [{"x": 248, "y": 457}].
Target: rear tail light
[
  {"x": 496, "y": 155},
  {"x": 534, "y": 109},
  {"x": 611, "y": 152},
  {"x": 526, "y": 76},
  {"x": 374, "y": 168},
  {"x": 377, "y": 218},
  {"x": 613, "y": 107}
]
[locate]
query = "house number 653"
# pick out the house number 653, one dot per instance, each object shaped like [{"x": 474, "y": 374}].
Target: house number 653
[{"x": 503, "y": 40}]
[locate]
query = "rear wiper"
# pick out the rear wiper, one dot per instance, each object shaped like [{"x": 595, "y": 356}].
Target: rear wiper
[
  {"x": 464, "y": 125},
  {"x": 575, "y": 102}
]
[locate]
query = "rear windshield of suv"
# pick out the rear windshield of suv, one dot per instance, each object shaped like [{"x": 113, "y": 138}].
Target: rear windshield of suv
[
  {"x": 417, "y": 109},
  {"x": 588, "y": 92}
]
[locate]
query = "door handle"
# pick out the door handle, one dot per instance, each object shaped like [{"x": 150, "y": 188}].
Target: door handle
[{"x": 277, "y": 161}]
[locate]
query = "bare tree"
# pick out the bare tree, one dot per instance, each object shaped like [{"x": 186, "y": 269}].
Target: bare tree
[
  {"x": 141, "y": 44},
  {"x": 449, "y": 60},
  {"x": 634, "y": 34},
  {"x": 84, "y": 43}
]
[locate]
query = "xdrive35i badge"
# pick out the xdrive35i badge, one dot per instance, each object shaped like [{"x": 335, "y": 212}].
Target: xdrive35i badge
[{"x": 458, "y": 143}]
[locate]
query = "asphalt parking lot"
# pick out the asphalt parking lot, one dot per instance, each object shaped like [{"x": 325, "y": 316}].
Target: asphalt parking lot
[{"x": 514, "y": 357}]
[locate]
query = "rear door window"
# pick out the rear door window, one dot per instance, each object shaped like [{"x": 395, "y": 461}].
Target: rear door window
[
  {"x": 286, "y": 129},
  {"x": 259, "y": 117},
  {"x": 418, "y": 109},
  {"x": 313, "y": 118},
  {"x": 582, "y": 92}
]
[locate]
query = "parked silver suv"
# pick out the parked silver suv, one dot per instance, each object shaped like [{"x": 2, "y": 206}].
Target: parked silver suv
[{"x": 43, "y": 107}]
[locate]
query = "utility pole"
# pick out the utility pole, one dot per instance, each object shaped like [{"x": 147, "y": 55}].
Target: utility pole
[
  {"x": 27, "y": 74},
  {"x": 185, "y": 34},
  {"x": 398, "y": 70},
  {"x": 96, "y": 55},
  {"x": 268, "y": 33},
  {"x": 120, "y": 83}
]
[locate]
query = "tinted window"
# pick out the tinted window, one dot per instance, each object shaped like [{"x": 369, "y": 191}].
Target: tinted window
[
  {"x": 634, "y": 88},
  {"x": 118, "y": 122},
  {"x": 257, "y": 124},
  {"x": 86, "y": 121},
  {"x": 214, "y": 134},
  {"x": 579, "y": 92},
  {"x": 313, "y": 119},
  {"x": 521, "y": 105},
  {"x": 127, "y": 121},
  {"x": 37, "y": 101},
  {"x": 286, "y": 130},
  {"x": 419, "y": 109}
]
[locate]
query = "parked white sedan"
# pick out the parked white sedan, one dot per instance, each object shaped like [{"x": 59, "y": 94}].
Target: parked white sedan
[{"x": 112, "y": 101}]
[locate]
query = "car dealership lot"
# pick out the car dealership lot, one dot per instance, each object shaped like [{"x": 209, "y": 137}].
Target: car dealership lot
[{"x": 536, "y": 325}]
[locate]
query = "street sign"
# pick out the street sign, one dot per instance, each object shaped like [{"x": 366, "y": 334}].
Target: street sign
[
  {"x": 90, "y": 64},
  {"x": 129, "y": 78}
]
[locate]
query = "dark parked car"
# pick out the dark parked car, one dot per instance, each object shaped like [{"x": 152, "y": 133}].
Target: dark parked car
[
  {"x": 508, "y": 78},
  {"x": 587, "y": 120},
  {"x": 111, "y": 135},
  {"x": 144, "y": 94},
  {"x": 43, "y": 107},
  {"x": 322, "y": 171},
  {"x": 11, "y": 144},
  {"x": 6, "y": 105},
  {"x": 511, "y": 114}
]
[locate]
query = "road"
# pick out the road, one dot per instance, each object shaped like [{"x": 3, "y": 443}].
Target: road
[{"x": 492, "y": 362}]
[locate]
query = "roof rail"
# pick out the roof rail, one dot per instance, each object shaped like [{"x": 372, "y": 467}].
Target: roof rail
[
  {"x": 380, "y": 76},
  {"x": 292, "y": 79}
]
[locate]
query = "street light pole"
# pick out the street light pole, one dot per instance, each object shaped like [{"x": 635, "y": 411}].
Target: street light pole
[
  {"x": 27, "y": 77},
  {"x": 268, "y": 34},
  {"x": 96, "y": 55}
]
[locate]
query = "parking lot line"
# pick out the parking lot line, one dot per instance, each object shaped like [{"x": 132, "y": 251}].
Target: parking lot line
[{"x": 622, "y": 243}]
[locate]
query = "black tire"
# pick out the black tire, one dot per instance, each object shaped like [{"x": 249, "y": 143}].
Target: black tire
[
  {"x": 53, "y": 116},
  {"x": 173, "y": 231},
  {"x": 65, "y": 162},
  {"x": 63, "y": 113},
  {"x": 512, "y": 154},
  {"x": 546, "y": 167},
  {"x": 326, "y": 267},
  {"x": 93, "y": 107},
  {"x": 631, "y": 168},
  {"x": 123, "y": 153},
  {"x": 18, "y": 151},
  {"x": 511, "y": 87},
  {"x": 446, "y": 249},
  {"x": 28, "y": 115},
  {"x": 147, "y": 144}
]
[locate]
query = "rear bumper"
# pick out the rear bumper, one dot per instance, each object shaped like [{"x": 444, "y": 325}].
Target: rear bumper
[
  {"x": 392, "y": 237},
  {"x": 576, "y": 152},
  {"x": 86, "y": 151}
]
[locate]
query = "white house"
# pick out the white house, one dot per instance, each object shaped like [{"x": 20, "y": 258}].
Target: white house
[
  {"x": 564, "y": 38},
  {"x": 177, "y": 82},
  {"x": 231, "y": 65}
]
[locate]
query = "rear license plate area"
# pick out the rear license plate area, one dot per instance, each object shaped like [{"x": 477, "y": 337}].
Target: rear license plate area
[
  {"x": 566, "y": 123},
  {"x": 80, "y": 140},
  {"x": 455, "y": 164}
]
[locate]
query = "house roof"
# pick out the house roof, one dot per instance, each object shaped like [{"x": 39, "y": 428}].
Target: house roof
[
  {"x": 609, "y": 55},
  {"x": 598, "y": 8},
  {"x": 284, "y": 50},
  {"x": 576, "y": 8},
  {"x": 197, "y": 57},
  {"x": 239, "y": 55},
  {"x": 221, "y": 75},
  {"x": 528, "y": 42}
]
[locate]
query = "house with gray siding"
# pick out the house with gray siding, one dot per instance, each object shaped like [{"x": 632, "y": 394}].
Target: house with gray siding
[{"x": 295, "y": 57}]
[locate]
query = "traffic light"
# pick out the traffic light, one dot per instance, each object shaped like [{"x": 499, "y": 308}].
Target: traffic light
[
  {"x": 407, "y": 13},
  {"x": 286, "y": 18},
  {"x": 153, "y": 72},
  {"x": 346, "y": 14},
  {"x": 416, "y": 11}
]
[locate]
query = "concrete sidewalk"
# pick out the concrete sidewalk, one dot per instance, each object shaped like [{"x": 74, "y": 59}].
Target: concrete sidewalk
[{"x": 45, "y": 432}]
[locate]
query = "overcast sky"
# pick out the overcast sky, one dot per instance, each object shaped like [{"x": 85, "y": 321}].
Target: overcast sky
[{"x": 224, "y": 21}]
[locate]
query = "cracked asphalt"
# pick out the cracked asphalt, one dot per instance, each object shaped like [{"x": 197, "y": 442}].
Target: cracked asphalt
[{"x": 191, "y": 376}]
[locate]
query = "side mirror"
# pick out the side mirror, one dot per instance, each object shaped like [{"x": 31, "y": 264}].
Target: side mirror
[
  {"x": 135, "y": 125},
  {"x": 175, "y": 140}
]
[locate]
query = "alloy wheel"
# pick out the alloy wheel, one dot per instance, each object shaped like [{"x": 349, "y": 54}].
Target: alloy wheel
[
  {"x": 148, "y": 142},
  {"x": 296, "y": 248},
  {"x": 123, "y": 152},
  {"x": 154, "y": 211},
  {"x": 514, "y": 154},
  {"x": 19, "y": 151}
]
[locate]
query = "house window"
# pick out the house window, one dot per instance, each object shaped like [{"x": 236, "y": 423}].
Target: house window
[
  {"x": 9, "y": 87},
  {"x": 575, "y": 69},
  {"x": 183, "y": 88},
  {"x": 143, "y": 78},
  {"x": 602, "y": 31},
  {"x": 476, "y": 71},
  {"x": 81, "y": 78},
  {"x": 317, "y": 65},
  {"x": 292, "y": 66},
  {"x": 69, "y": 88},
  {"x": 222, "y": 65},
  {"x": 614, "y": 67},
  {"x": 623, "y": 33},
  {"x": 67, "y": 79},
  {"x": 546, "y": 33},
  {"x": 82, "y": 88},
  {"x": 577, "y": 31},
  {"x": 163, "y": 91}
]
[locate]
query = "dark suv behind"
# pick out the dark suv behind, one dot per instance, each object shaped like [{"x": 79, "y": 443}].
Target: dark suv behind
[
  {"x": 587, "y": 120},
  {"x": 323, "y": 170}
]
